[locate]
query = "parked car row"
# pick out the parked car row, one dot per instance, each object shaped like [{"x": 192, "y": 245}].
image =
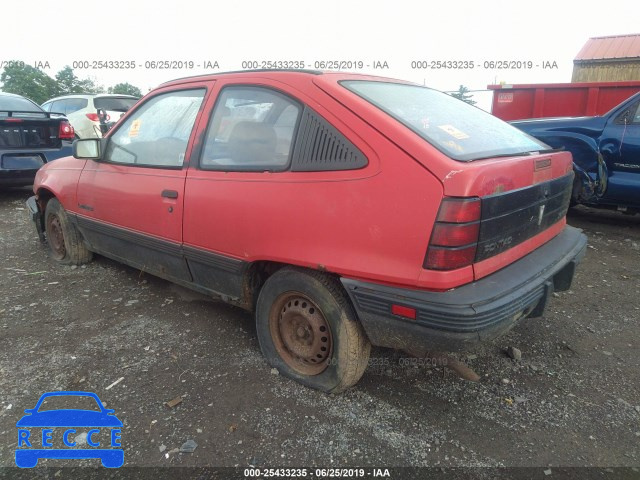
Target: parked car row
[
  {"x": 344, "y": 210},
  {"x": 29, "y": 138},
  {"x": 83, "y": 111}
]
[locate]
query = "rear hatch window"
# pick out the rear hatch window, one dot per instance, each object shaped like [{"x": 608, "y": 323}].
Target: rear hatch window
[
  {"x": 459, "y": 130},
  {"x": 114, "y": 104},
  {"x": 23, "y": 124},
  {"x": 19, "y": 107}
]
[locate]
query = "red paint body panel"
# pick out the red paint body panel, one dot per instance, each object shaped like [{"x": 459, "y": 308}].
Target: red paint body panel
[
  {"x": 517, "y": 102},
  {"x": 61, "y": 178},
  {"x": 118, "y": 193}
]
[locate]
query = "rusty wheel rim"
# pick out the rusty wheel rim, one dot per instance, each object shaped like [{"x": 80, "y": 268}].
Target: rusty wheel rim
[
  {"x": 300, "y": 333},
  {"x": 56, "y": 237}
]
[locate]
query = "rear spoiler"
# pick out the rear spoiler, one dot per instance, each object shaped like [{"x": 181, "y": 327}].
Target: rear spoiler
[{"x": 10, "y": 113}]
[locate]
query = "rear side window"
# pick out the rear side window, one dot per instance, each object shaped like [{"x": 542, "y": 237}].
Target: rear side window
[
  {"x": 75, "y": 104},
  {"x": 636, "y": 117},
  {"x": 58, "y": 106},
  {"x": 459, "y": 130},
  {"x": 252, "y": 129},
  {"x": 114, "y": 103},
  {"x": 158, "y": 132}
]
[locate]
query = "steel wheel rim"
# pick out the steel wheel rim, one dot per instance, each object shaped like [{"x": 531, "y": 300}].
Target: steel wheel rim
[
  {"x": 56, "y": 237},
  {"x": 300, "y": 333}
]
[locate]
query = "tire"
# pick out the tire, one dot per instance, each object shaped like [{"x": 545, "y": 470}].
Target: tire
[
  {"x": 308, "y": 330},
  {"x": 64, "y": 239}
]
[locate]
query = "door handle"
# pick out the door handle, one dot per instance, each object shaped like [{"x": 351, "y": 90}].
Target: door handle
[{"x": 169, "y": 194}]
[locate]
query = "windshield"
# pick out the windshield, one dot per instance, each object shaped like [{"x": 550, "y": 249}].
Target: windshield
[
  {"x": 459, "y": 130},
  {"x": 66, "y": 402},
  {"x": 114, "y": 103}
]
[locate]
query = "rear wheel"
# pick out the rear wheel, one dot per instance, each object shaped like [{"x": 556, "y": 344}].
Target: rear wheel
[
  {"x": 64, "y": 239},
  {"x": 307, "y": 329}
]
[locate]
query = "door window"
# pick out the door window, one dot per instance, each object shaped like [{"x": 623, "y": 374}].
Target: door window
[
  {"x": 158, "y": 132},
  {"x": 636, "y": 116},
  {"x": 58, "y": 107},
  {"x": 252, "y": 129},
  {"x": 75, "y": 104}
]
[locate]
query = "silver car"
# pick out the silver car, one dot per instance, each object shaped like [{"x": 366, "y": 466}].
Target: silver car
[{"x": 82, "y": 110}]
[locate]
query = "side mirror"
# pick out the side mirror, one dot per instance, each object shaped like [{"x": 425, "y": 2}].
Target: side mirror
[{"x": 87, "y": 149}]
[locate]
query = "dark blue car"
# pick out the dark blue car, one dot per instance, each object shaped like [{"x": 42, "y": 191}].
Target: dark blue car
[
  {"x": 29, "y": 138},
  {"x": 606, "y": 153},
  {"x": 29, "y": 452}
]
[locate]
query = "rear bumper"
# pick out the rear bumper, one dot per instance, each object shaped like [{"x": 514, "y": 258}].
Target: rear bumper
[
  {"x": 476, "y": 312},
  {"x": 16, "y": 175},
  {"x": 16, "y": 178}
]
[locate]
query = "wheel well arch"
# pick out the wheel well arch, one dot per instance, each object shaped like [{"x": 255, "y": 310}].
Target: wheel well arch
[
  {"x": 43, "y": 196},
  {"x": 254, "y": 278},
  {"x": 258, "y": 272}
]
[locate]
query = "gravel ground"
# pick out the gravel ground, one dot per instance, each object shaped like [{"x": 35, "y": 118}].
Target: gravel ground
[{"x": 573, "y": 399}]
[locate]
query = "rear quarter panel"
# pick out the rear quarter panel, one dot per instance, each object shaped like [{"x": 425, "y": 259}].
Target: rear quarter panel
[{"x": 371, "y": 223}]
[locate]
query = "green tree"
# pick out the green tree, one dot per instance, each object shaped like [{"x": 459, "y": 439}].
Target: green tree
[
  {"x": 69, "y": 83},
  {"x": 464, "y": 95},
  {"x": 90, "y": 86},
  {"x": 30, "y": 82},
  {"x": 125, "y": 89}
]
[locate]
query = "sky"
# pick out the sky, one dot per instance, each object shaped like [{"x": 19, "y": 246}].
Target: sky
[{"x": 392, "y": 34}]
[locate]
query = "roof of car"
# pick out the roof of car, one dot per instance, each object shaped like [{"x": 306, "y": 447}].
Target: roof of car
[
  {"x": 275, "y": 73},
  {"x": 91, "y": 95},
  {"x": 7, "y": 94},
  {"x": 240, "y": 72}
]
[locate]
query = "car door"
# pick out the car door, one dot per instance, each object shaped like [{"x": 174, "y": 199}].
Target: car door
[
  {"x": 131, "y": 201},
  {"x": 620, "y": 146},
  {"x": 248, "y": 141},
  {"x": 252, "y": 189}
]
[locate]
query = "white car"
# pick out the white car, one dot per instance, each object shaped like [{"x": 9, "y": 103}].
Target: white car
[{"x": 82, "y": 110}]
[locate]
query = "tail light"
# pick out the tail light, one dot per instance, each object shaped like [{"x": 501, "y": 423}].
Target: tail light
[
  {"x": 95, "y": 118},
  {"x": 66, "y": 132},
  {"x": 455, "y": 234}
]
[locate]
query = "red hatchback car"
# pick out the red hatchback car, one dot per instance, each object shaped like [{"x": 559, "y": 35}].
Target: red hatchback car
[{"x": 345, "y": 210}]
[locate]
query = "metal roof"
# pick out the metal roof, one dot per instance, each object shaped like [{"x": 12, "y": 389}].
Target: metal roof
[{"x": 610, "y": 47}]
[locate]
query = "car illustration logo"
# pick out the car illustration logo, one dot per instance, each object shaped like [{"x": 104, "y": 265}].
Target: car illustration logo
[{"x": 64, "y": 429}]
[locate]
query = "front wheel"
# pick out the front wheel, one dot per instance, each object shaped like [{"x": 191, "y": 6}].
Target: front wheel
[
  {"x": 64, "y": 239},
  {"x": 307, "y": 329}
]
